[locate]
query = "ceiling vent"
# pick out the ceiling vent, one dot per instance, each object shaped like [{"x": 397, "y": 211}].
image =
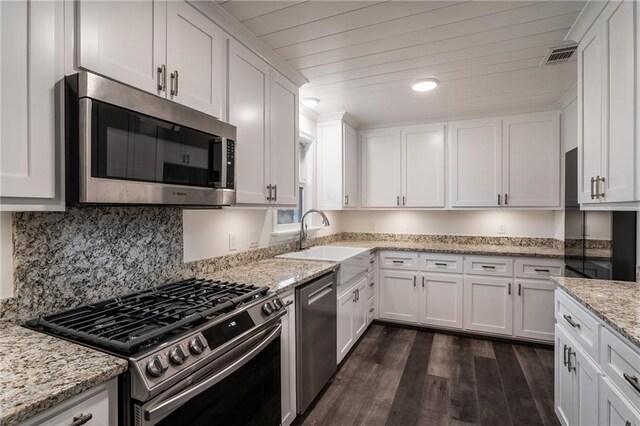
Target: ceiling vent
[{"x": 556, "y": 55}]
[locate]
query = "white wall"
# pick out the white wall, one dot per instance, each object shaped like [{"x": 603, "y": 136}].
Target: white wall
[
  {"x": 6, "y": 256},
  {"x": 206, "y": 232},
  {"x": 518, "y": 223}
]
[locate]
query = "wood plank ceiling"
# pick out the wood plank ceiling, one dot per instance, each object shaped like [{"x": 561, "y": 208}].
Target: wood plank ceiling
[{"x": 361, "y": 56}]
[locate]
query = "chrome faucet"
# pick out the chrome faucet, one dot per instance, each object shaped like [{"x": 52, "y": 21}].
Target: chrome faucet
[{"x": 303, "y": 228}]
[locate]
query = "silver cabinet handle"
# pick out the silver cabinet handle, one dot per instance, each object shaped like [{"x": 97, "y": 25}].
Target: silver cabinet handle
[
  {"x": 542, "y": 270},
  {"x": 404, "y": 200},
  {"x": 564, "y": 355},
  {"x": 81, "y": 419},
  {"x": 440, "y": 264},
  {"x": 598, "y": 192},
  {"x": 162, "y": 78},
  {"x": 488, "y": 267},
  {"x": 571, "y": 321},
  {"x": 633, "y": 381},
  {"x": 346, "y": 200},
  {"x": 371, "y": 309},
  {"x": 423, "y": 282},
  {"x": 275, "y": 192},
  {"x": 506, "y": 199},
  {"x": 398, "y": 200},
  {"x": 269, "y": 198},
  {"x": 571, "y": 366},
  {"x": 174, "y": 83},
  {"x": 398, "y": 261},
  {"x": 519, "y": 289},
  {"x": 498, "y": 199},
  {"x": 414, "y": 280},
  {"x": 188, "y": 158},
  {"x": 509, "y": 289},
  {"x": 371, "y": 284},
  {"x": 593, "y": 192},
  {"x": 371, "y": 262}
]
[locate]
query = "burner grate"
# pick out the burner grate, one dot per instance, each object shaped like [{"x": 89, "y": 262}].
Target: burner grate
[{"x": 126, "y": 323}]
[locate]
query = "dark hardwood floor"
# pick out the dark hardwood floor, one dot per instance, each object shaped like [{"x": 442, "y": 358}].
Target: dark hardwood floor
[{"x": 400, "y": 376}]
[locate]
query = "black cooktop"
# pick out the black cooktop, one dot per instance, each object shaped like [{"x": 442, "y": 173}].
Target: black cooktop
[{"x": 128, "y": 324}]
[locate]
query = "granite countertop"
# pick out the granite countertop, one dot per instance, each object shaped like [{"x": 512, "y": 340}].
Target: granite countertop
[
  {"x": 279, "y": 274},
  {"x": 474, "y": 249},
  {"x": 38, "y": 371},
  {"x": 615, "y": 302}
]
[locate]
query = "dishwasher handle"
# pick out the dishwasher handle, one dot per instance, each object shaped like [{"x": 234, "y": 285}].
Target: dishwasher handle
[{"x": 320, "y": 293}]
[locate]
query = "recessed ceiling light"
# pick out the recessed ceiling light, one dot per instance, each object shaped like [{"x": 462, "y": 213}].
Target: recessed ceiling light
[
  {"x": 424, "y": 85},
  {"x": 310, "y": 102}
]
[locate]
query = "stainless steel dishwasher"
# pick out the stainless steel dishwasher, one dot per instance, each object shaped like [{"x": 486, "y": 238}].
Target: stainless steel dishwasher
[{"x": 315, "y": 338}]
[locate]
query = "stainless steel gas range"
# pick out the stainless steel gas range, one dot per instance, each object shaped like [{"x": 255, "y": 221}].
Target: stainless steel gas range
[{"x": 199, "y": 351}]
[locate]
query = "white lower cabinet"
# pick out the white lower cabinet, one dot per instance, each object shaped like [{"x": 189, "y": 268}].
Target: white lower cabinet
[
  {"x": 614, "y": 409},
  {"x": 288, "y": 360},
  {"x": 441, "y": 301},
  {"x": 488, "y": 304},
  {"x": 533, "y": 315},
  {"x": 398, "y": 295},
  {"x": 351, "y": 316},
  {"x": 97, "y": 406}
]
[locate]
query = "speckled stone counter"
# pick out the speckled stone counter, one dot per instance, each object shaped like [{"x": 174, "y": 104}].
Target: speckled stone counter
[
  {"x": 38, "y": 371},
  {"x": 615, "y": 302},
  {"x": 279, "y": 274},
  {"x": 470, "y": 249}
]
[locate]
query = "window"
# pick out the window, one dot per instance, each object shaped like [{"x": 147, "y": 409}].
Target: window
[{"x": 288, "y": 220}]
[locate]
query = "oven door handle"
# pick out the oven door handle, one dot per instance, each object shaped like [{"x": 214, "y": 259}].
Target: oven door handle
[{"x": 162, "y": 409}]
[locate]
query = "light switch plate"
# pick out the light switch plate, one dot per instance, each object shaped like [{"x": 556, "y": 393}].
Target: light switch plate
[
  {"x": 254, "y": 239},
  {"x": 233, "y": 242},
  {"x": 502, "y": 228},
  {"x": 372, "y": 225}
]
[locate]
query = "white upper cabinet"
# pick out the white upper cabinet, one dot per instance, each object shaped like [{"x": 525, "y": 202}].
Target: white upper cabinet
[
  {"x": 531, "y": 160},
  {"x": 248, "y": 111},
  {"x": 124, "y": 40},
  {"x": 423, "y": 166},
  {"x": 381, "y": 167},
  {"x": 164, "y": 47},
  {"x": 31, "y": 34},
  {"x": 263, "y": 105},
  {"x": 337, "y": 163},
  {"x": 607, "y": 110},
  {"x": 283, "y": 147},
  {"x": 196, "y": 59},
  {"x": 476, "y": 163}
]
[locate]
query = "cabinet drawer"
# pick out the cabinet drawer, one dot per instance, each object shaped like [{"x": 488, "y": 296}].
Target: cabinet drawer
[
  {"x": 485, "y": 265},
  {"x": 371, "y": 310},
  {"x": 622, "y": 365},
  {"x": 371, "y": 285},
  {"x": 538, "y": 268},
  {"x": 578, "y": 323},
  {"x": 441, "y": 263},
  {"x": 399, "y": 260},
  {"x": 614, "y": 409}
]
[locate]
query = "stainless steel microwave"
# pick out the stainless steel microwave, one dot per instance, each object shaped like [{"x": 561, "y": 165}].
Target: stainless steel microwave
[{"x": 126, "y": 146}]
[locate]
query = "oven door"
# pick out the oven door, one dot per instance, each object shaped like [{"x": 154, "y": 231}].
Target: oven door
[
  {"x": 128, "y": 157},
  {"x": 243, "y": 389}
]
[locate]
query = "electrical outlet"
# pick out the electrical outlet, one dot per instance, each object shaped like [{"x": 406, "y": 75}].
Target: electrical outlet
[
  {"x": 372, "y": 225},
  {"x": 233, "y": 242},
  {"x": 254, "y": 239},
  {"x": 502, "y": 228}
]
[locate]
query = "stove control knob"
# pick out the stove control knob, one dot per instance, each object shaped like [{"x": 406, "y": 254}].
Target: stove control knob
[
  {"x": 195, "y": 346},
  {"x": 177, "y": 355},
  {"x": 278, "y": 304},
  {"x": 155, "y": 367},
  {"x": 267, "y": 308}
]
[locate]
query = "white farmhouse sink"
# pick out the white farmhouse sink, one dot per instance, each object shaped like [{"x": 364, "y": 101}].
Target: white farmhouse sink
[
  {"x": 329, "y": 253},
  {"x": 354, "y": 262}
]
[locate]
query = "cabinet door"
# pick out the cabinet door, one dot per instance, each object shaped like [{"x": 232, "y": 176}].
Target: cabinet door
[
  {"x": 288, "y": 361},
  {"x": 533, "y": 313},
  {"x": 589, "y": 113},
  {"x": 531, "y": 160},
  {"x": 248, "y": 103},
  {"x": 398, "y": 296},
  {"x": 196, "y": 59},
  {"x": 350, "y": 167},
  {"x": 423, "y": 166},
  {"x": 476, "y": 163},
  {"x": 586, "y": 376},
  {"x": 123, "y": 40},
  {"x": 618, "y": 108},
  {"x": 381, "y": 168},
  {"x": 30, "y": 35},
  {"x": 614, "y": 409},
  {"x": 488, "y": 304},
  {"x": 345, "y": 323},
  {"x": 441, "y": 300},
  {"x": 360, "y": 308},
  {"x": 330, "y": 169},
  {"x": 283, "y": 143},
  {"x": 564, "y": 387}
]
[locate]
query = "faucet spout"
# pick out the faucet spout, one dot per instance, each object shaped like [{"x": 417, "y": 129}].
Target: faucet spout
[{"x": 303, "y": 231}]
